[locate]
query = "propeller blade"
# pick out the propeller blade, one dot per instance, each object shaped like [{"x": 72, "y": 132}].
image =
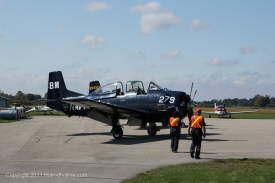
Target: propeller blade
[
  {"x": 194, "y": 95},
  {"x": 191, "y": 89}
]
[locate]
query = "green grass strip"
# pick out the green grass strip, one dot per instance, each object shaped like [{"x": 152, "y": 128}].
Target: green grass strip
[{"x": 229, "y": 170}]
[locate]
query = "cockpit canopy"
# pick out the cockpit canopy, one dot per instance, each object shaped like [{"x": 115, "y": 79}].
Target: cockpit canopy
[
  {"x": 132, "y": 88},
  {"x": 113, "y": 88},
  {"x": 154, "y": 87},
  {"x": 135, "y": 87}
]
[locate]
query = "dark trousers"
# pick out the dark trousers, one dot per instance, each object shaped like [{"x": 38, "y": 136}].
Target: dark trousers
[
  {"x": 196, "y": 135},
  {"x": 175, "y": 136}
]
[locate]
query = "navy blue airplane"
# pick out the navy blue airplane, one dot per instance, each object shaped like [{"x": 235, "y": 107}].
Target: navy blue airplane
[{"x": 110, "y": 103}]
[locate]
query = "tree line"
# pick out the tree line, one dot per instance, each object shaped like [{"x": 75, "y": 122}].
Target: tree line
[
  {"x": 256, "y": 101},
  {"x": 22, "y": 98}
]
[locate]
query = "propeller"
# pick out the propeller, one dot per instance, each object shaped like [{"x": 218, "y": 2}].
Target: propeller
[
  {"x": 190, "y": 111},
  {"x": 194, "y": 95},
  {"x": 187, "y": 110},
  {"x": 191, "y": 89}
]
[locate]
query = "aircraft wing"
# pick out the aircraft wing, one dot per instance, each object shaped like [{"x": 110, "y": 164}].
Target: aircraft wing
[
  {"x": 240, "y": 112},
  {"x": 207, "y": 112},
  {"x": 85, "y": 102},
  {"x": 228, "y": 112},
  {"x": 30, "y": 110}
]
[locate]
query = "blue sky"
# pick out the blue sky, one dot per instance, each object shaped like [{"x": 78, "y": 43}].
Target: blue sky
[{"x": 227, "y": 48}]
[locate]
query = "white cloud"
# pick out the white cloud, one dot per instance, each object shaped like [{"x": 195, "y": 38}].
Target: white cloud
[
  {"x": 95, "y": 6},
  {"x": 241, "y": 81},
  {"x": 101, "y": 40},
  {"x": 199, "y": 24},
  {"x": 221, "y": 62},
  {"x": 93, "y": 38},
  {"x": 220, "y": 85},
  {"x": 155, "y": 17},
  {"x": 88, "y": 39},
  {"x": 171, "y": 54},
  {"x": 214, "y": 79},
  {"x": 247, "y": 49},
  {"x": 248, "y": 78},
  {"x": 93, "y": 41},
  {"x": 148, "y": 8}
]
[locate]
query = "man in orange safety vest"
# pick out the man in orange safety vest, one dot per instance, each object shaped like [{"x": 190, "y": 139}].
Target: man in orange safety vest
[
  {"x": 198, "y": 130},
  {"x": 175, "y": 129}
]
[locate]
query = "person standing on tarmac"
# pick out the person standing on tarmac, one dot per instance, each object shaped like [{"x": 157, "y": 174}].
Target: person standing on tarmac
[
  {"x": 175, "y": 130},
  {"x": 197, "y": 124}
]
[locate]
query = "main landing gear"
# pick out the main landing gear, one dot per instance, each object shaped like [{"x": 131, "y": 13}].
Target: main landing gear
[
  {"x": 117, "y": 131},
  {"x": 183, "y": 124},
  {"x": 152, "y": 129}
]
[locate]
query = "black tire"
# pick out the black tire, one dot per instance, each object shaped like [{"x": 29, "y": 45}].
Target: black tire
[
  {"x": 152, "y": 131},
  {"x": 183, "y": 124},
  {"x": 118, "y": 135}
]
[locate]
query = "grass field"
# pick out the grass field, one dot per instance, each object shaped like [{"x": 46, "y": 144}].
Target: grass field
[
  {"x": 229, "y": 170},
  {"x": 261, "y": 114},
  {"x": 53, "y": 113}
]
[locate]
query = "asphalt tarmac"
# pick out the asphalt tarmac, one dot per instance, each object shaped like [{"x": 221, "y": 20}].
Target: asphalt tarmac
[{"x": 62, "y": 149}]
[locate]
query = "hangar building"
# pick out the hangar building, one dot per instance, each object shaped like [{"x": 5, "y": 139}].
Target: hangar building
[{"x": 4, "y": 102}]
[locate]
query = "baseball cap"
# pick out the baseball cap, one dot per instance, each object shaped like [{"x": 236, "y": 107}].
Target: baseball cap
[{"x": 198, "y": 110}]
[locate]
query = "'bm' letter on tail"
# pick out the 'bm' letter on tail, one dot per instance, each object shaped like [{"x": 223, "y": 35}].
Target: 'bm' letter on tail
[{"x": 54, "y": 85}]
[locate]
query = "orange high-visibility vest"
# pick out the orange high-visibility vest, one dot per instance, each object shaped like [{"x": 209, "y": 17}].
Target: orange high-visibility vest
[
  {"x": 196, "y": 121},
  {"x": 174, "y": 121}
]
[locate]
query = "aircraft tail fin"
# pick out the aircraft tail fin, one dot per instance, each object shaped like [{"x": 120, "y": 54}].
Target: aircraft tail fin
[
  {"x": 58, "y": 90},
  {"x": 93, "y": 86},
  {"x": 215, "y": 105}
]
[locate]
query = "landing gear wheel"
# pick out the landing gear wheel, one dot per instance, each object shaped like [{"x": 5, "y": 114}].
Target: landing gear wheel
[
  {"x": 152, "y": 130},
  {"x": 117, "y": 131},
  {"x": 118, "y": 135},
  {"x": 183, "y": 124}
]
